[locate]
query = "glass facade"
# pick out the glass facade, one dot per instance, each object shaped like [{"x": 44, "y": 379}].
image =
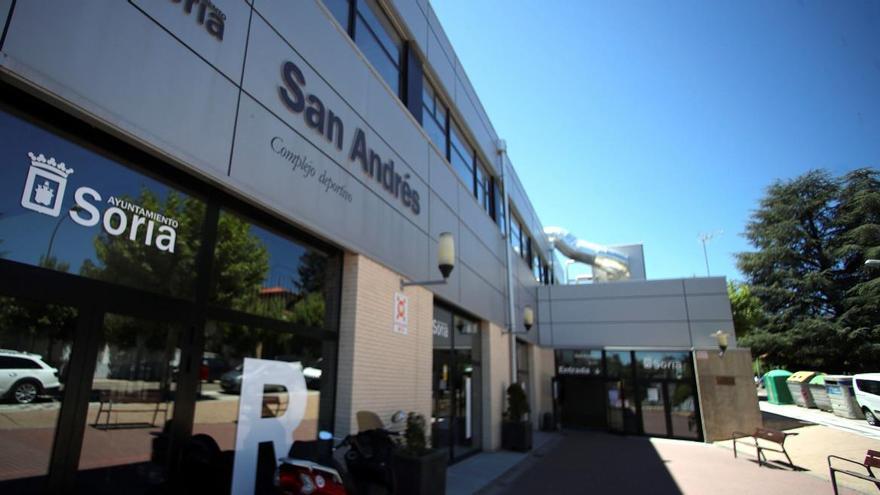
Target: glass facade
[
  {"x": 129, "y": 311},
  {"x": 642, "y": 392},
  {"x": 456, "y": 414}
]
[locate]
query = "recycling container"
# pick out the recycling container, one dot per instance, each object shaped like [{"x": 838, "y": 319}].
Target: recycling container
[
  {"x": 799, "y": 386},
  {"x": 820, "y": 395},
  {"x": 777, "y": 390},
  {"x": 842, "y": 397}
]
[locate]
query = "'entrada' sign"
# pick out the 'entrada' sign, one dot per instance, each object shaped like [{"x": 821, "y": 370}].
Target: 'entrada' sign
[{"x": 328, "y": 124}]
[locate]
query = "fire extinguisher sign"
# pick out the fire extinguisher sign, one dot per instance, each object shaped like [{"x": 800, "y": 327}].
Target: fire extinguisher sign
[{"x": 401, "y": 314}]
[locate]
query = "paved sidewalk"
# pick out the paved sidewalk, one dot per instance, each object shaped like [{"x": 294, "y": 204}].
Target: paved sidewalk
[
  {"x": 477, "y": 472},
  {"x": 592, "y": 462},
  {"x": 855, "y": 426},
  {"x": 810, "y": 449}
]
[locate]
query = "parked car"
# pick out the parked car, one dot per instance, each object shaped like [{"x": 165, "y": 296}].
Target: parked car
[
  {"x": 24, "y": 376},
  {"x": 230, "y": 381},
  {"x": 867, "y": 389}
]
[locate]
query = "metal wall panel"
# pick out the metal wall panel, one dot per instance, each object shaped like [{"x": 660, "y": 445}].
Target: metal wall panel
[
  {"x": 266, "y": 55},
  {"x": 114, "y": 63},
  {"x": 226, "y": 54},
  {"x": 364, "y": 223}
]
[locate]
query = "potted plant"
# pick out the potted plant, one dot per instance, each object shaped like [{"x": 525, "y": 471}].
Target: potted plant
[
  {"x": 417, "y": 469},
  {"x": 516, "y": 431}
]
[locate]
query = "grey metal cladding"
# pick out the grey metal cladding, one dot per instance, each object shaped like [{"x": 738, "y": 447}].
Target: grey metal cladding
[
  {"x": 440, "y": 63},
  {"x": 389, "y": 118},
  {"x": 266, "y": 55},
  {"x": 316, "y": 37},
  {"x": 653, "y": 309},
  {"x": 169, "y": 99},
  {"x": 361, "y": 221},
  {"x": 225, "y": 54},
  {"x": 415, "y": 20},
  {"x": 669, "y": 334},
  {"x": 618, "y": 289},
  {"x": 709, "y": 307},
  {"x": 478, "y": 296},
  {"x": 705, "y": 285},
  {"x": 475, "y": 254},
  {"x": 443, "y": 180}
]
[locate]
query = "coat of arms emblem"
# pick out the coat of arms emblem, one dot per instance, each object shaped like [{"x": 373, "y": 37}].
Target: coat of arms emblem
[{"x": 45, "y": 185}]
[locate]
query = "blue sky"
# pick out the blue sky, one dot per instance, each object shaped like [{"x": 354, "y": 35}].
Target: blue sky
[{"x": 654, "y": 121}]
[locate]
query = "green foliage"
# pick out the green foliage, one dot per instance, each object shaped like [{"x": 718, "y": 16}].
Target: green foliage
[
  {"x": 747, "y": 310},
  {"x": 415, "y": 442},
  {"x": 820, "y": 304},
  {"x": 517, "y": 403}
]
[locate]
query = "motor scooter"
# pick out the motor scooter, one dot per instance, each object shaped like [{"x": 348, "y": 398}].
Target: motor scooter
[{"x": 313, "y": 468}]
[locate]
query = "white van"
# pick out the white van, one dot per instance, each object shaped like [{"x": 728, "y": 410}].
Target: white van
[{"x": 867, "y": 389}]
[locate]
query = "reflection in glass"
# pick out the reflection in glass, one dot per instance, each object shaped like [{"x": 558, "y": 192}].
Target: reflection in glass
[
  {"x": 131, "y": 399},
  {"x": 683, "y": 409},
  {"x": 263, "y": 273},
  {"x": 653, "y": 409},
  {"x": 671, "y": 365},
  {"x": 101, "y": 220},
  {"x": 226, "y": 346},
  {"x": 35, "y": 345},
  {"x": 618, "y": 363}
]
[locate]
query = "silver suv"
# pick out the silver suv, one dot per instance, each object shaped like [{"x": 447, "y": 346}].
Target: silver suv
[{"x": 24, "y": 376}]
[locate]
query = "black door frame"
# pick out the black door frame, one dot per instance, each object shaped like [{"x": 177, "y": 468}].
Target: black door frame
[{"x": 638, "y": 383}]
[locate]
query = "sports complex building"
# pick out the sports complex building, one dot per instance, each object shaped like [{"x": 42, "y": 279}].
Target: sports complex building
[{"x": 216, "y": 217}]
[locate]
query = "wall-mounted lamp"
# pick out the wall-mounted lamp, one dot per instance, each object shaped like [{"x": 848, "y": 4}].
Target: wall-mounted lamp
[
  {"x": 445, "y": 261},
  {"x": 528, "y": 317},
  {"x": 721, "y": 337}
]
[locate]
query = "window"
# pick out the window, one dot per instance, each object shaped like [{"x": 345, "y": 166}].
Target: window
[
  {"x": 515, "y": 234},
  {"x": 339, "y": 9},
  {"x": 527, "y": 249},
  {"x": 537, "y": 268},
  {"x": 434, "y": 118},
  {"x": 500, "y": 214},
  {"x": 461, "y": 156},
  {"x": 379, "y": 42},
  {"x": 483, "y": 187}
]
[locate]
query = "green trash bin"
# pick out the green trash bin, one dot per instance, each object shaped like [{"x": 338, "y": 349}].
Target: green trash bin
[
  {"x": 777, "y": 391},
  {"x": 820, "y": 395},
  {"x": 799, "y": 386}
]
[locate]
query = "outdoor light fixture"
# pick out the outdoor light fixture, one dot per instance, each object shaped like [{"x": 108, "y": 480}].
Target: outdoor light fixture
[
  {"x": 528, "y": 317},
  {"x": 875, "y": 263},
  {"x": 721, "y": 336},
  {"x": 445, "y": 261}
]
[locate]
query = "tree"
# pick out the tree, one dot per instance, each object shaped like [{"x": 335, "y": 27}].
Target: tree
[
  {"x": 746, "y": 308},
  {"x": 811, "y": 236}
]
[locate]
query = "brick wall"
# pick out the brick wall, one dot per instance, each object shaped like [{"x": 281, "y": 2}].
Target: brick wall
[{"x": 380, "y": 370}]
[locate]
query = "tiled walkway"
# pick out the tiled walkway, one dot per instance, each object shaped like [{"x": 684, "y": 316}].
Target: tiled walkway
[{"x": 591, "y": 462}]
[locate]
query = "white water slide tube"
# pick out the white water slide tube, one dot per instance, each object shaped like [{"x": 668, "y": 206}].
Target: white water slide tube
[{"x": 610, "y": 261}]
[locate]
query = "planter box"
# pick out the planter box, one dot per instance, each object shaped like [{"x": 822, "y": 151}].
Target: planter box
[
  {"x": 516, "y": 435},
  {"x": 425, "y": 475}
]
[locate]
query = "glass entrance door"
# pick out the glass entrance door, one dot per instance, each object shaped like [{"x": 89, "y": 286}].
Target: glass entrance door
[{"x": 455, "y": 415}]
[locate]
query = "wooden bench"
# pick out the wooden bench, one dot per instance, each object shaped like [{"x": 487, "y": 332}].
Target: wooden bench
[
  {"x": 157, "y": 400},
  {"x": 872, "y": 460},
  {"x": 775, "y": 437}
]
